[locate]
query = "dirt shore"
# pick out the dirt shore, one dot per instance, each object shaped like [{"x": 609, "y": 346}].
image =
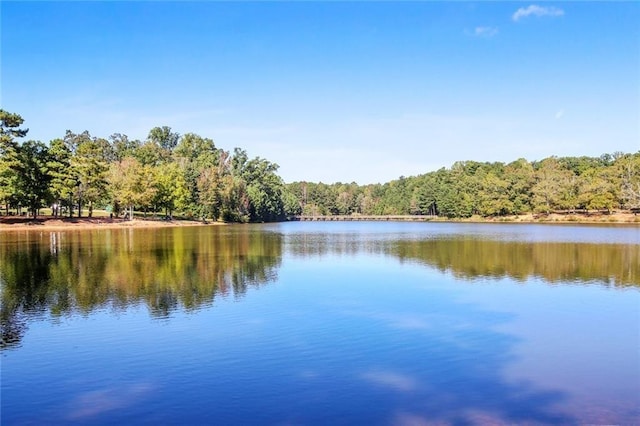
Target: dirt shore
[
  {"x": 586, "y": 218},
  {"x": 11, "y": 223}
]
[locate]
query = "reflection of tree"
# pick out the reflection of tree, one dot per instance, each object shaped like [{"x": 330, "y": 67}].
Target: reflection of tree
[
  {"x": 611, "y": 264},
  {"x": 318, "y": 244},
  {"x": 24, "y": 268},
  {"x": 80, "y": 271}
]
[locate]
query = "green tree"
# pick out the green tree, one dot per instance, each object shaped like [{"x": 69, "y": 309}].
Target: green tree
[
  {"x": 427, "y": 192},
  {"x": 345, "y": 201},
  {"x": 62, "y": 183},
  {"x": 172, "y": 191},
  {"x": 9, "y": 126},
  {"x": 125, "y": 180},
  {"x": 9, "y": 130},
  {"x": 554, "y": 187},
  {"x": 123, "y": 147},
  {"x": 597, "y": 189},
  {"x": 292, "y": 205},
  {"x": 194, "y": 154},
  {"x": 627, "y": 167},
  {"x": 235, "y": 199},
  {"x": 90, "y": 168},
  {"x": 164, "y": 137},
  {"x": 520, "y": 177},
  {"x": 494, "y": 196},
  {"x": 210, "y": 193},
  {"x": 197, "y": 149},
  {"x": 396, "y": 197},
  {"x": 33, "y": 175},
  {"x": 264, "y": 187},
  {"x": 456, "y": 196},
  {"x": 151, "y": 154},
  {"x": 148, "y": 188}
]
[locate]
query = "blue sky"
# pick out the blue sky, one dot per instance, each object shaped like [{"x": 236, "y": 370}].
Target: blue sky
[{"x": 333, "y": 91}]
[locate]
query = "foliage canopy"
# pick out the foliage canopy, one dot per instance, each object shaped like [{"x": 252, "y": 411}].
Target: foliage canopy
[{"x": 188, "y": 174}]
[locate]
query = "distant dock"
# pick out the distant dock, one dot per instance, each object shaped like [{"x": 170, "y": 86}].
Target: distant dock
[{"x": 345, "y": 218}]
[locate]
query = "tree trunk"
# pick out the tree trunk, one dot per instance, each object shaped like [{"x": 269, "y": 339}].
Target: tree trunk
[{"x": 90, "y": 208}]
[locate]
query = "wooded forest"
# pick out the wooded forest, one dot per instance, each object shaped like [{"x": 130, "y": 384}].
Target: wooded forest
[
  {"x": 169, "y": 173},
  {"x": 467, "y": 188},
  {"x": 166, "y": 173}
]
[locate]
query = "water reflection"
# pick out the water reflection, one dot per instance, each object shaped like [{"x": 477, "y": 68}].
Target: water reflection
[
  {"x": 607, "y": 264},
  {"x": 63, "y": 272},
  {"x": 305, "y": 245},
  {"x": 185, "y": 268},
  {"x": 361, "y": 328},
  {"x": 438, "y": 361},
  {"x": 472, "y": 257}
]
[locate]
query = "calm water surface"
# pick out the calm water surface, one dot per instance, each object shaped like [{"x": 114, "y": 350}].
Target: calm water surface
[{"x": 322, "y": 323}]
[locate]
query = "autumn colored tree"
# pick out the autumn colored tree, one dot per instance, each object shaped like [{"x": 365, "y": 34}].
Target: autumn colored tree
[
  {"x": 628, "y": 169},
  {"x": 125, "y": 180}
]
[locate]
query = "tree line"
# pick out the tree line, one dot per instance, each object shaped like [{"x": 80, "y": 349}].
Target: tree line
[
  {"x": 467, "y": 188},
  {"x": 169, "y": 172}
]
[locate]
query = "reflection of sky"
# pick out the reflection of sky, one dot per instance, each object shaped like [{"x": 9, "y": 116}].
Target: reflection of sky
[
  {"x": 96, "y": 403},
  {"x": 520, "y": 232},
  {"x": 582, "y": 340},
  {"x": 342, "y": 339}
]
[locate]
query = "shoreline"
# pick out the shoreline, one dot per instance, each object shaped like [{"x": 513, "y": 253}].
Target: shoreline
[
  {"x": 14, "y": 223},
  {"x": 620, "y": 218},
  {"x": 44, "y": 223}
]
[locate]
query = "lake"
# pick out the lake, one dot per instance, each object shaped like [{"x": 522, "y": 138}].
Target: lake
[{"x": 322, "y": 323}]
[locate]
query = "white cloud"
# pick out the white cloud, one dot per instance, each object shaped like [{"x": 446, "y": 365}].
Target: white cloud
[
  {"x": 392, "y": 380},
  {"x": 559, "y": 114},
  {"x": 485, "y": 31},
  {"x": 92, "y": 404},
  {"x": 536, "y": 10}
]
